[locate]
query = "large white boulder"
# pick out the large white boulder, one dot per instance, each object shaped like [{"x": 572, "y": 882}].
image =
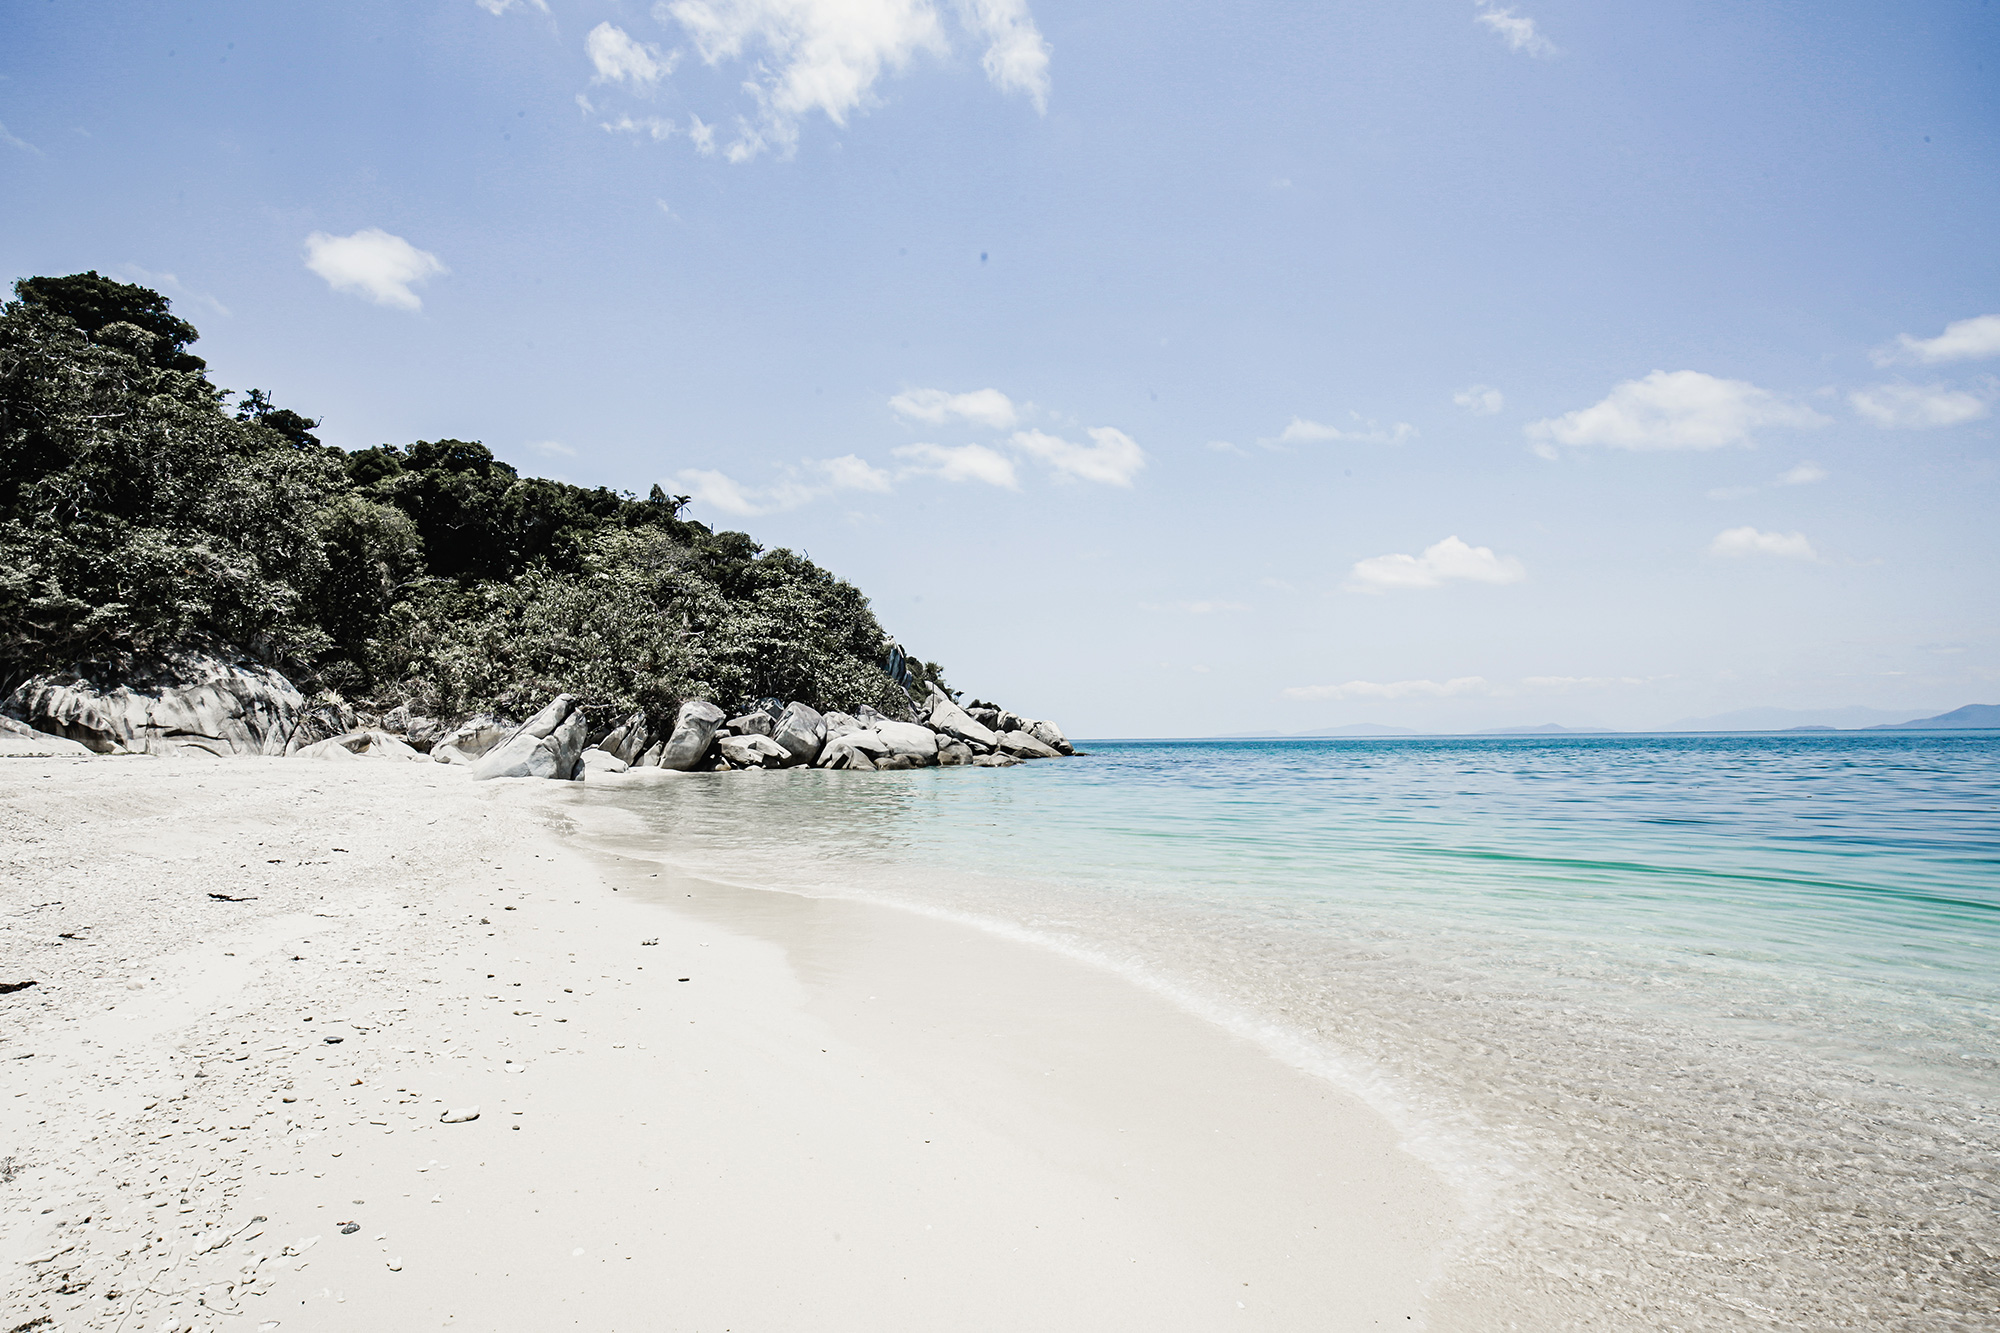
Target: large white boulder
[
  {"x": 627, "y": 740},
  {"x": 183, "y": 701},
  {"x": 1051, "y": 735},
  {"x": 547, "y": 745},
  {"x": 1022, "y": 745},
  {"x": 752, "y": 751},
  {"x": 367, "y": 743},
  {"x": 838, "y": 723},
  {"x": 694, "y": 730},
  {"x": 910, "y": 739},
  {"x": 472, "y": 739},
  {"x": 597, "y": 761},
  {"x": 802, "y": 732},
  {"x": 948, "y": 718}
]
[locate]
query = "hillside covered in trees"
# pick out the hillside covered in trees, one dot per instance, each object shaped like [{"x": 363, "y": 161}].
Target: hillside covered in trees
[{"x": 141, "y": 511}]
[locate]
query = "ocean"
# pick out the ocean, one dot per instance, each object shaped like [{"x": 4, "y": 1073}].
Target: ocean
[{"x": 1706, "y": 1029}]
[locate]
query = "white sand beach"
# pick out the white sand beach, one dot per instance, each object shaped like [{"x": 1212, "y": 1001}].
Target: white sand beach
[{"x": 259, "y": 984}]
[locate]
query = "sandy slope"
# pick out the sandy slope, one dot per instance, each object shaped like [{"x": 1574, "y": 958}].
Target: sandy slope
[{"x": 699, "y": 1108}]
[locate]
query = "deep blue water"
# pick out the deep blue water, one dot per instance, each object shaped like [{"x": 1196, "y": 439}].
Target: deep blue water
[{"x": 1705, "y": 1025}]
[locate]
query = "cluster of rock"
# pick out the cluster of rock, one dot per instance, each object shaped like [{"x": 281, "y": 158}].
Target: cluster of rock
[
  {"x": 796, "y": 735},
  {"x": 208, "y": 704}
]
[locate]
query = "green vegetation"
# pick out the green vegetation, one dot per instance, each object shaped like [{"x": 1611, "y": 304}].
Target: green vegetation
[{"x": 138, "y": 513}]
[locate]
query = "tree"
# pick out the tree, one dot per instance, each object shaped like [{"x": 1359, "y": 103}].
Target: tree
[{"x": 96, "y": 303}]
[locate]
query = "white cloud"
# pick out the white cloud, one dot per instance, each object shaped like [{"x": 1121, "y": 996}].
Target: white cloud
[
  {"x": 703, "y": 136},
  {"x": 796, "y": 485},
  {"x": 1749, "y": 541},
  {"x": 986, "y": 407},
  {"x": 1017, "y": 56},
  {"x": 658, "y": 127},
  {"x": 1439, "y": 564},
  {"x": 1917, "y": 406},
  {"x": 1395, "y": 689},
  {"x": 1805, "y": 474},
  {"x": 619, "y": 58},
  {"x": 553, "y": 448},
  {"x": 1480, "y": 399},
  {"x": 374, "y": 264},
  {"x": 1302, "y": 431},
  {"x": 1682, "y": 409},
  {"x": 1517, "y": 30},
  {"x": 966, "y": 462},
  {"x": 828, "y": 55},
  {"x": 849, "y": 473},
  {"x": 1113, "y": 457},
  {"x": 1964, "y": 340},
  {"x": 499, "y": 7}
]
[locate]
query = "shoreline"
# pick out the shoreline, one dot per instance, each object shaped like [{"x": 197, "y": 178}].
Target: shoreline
[{"x": 1095, "y": 1157}]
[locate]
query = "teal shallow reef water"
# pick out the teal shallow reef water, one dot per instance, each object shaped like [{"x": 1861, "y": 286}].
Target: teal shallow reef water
[{"x": 1705, "y": 1028}]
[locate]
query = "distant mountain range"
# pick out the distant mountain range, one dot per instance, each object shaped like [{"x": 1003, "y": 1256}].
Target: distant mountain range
[{"x": 1969, "y": 718}]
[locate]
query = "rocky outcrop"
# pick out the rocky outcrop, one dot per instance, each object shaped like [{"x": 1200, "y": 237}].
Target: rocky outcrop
[
  {"x": 651, "y": 759},
  {"x": 18, "y": 740},
  {"x": 694, "y": 729},
  {"x": 547, "y": 745},
  {"x": 183, "y": 702},
  {"x": 1049, "y": 734}
]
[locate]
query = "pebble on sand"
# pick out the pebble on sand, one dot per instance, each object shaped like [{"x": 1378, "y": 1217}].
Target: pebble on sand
[{"x": 459, "y": 1115}]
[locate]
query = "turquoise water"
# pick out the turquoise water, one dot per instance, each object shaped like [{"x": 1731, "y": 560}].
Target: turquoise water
[{"x": 1706, "y": 1028}]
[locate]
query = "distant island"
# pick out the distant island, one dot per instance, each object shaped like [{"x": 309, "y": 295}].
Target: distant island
[{"x": 1971, "y": 717}]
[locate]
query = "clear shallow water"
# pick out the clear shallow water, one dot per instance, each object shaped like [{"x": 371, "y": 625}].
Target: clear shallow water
[{"x": 1708, "y": 1028}]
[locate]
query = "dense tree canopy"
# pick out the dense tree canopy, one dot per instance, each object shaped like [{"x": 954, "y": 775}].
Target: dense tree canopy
[{"x": 138, "y": 513}]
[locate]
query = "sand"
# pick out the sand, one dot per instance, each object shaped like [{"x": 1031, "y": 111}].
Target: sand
[{"x": 261, "y": 984}]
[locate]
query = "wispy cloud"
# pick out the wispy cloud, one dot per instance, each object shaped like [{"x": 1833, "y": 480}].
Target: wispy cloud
[
  {"x": 374, "y": 264},
  {"x": 1564, "y": 684},
  {"x": 1802, "y": 474},
  {"x": 620, "y": 58},
  {"x": 657, "y": 128},
  {"x": 1302, "y": 431},
  {"x": 1481, "y": 400},
  {"x": 1394, "y": 689},
  {"x": 1017, "y": 55},
  {"x": 1517, "y": 30},
  {"x": 553, "y": 448},
  {"x": 499, "y": 7},
  {"x": 1112, "y": 457},
  {"x": 1441, "y": 563},
  {"x": 1964, "y": 340},
  {"x": 965, "y": 462},
  {"x": 13, "y": 140},
  {"x": 1738, "y": 542},
  {"x": 795, "y": 486},
  {"x": 985, "y": 407},
  {"x": 1682, "y": 409},
  {"x": 1918, "y": 406}
]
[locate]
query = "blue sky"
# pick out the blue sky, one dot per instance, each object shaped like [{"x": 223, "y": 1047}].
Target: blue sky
[{"x": 1163, "y": 372}]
